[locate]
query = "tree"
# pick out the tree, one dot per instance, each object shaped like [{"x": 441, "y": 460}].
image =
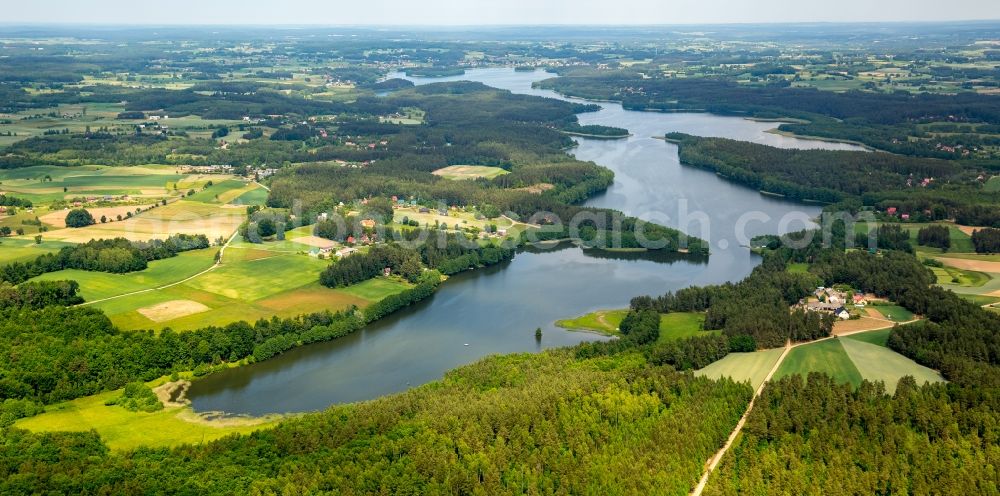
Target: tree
[
  {"x": 79, "y": 218},
  {"x": 266, "y": 227},
  {"x": 104, "y": 219},
  {"x": 38, "y": 239}
]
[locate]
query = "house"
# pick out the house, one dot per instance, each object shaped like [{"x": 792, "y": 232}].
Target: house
[
  {"x": 859, "y": 300},
  {"x": 345, "y": 252},
  {"x": 842, "y": 313},
  {"x": 350, "y": 240},
  {"x": 501, "y": 232},
  {"x": 424, "y": 210},
  {"x": 905, "y": 216},
  {"x": 368, "y": 223},
  {"x": 387, "y": 271},
  {"x": 891, "y": 210}
]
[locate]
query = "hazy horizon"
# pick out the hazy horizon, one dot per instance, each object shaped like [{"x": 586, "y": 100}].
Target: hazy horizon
[{"x": 452, "y": 13}]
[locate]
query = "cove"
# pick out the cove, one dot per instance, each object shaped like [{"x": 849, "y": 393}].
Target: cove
[{"x": 496, "y": 310}]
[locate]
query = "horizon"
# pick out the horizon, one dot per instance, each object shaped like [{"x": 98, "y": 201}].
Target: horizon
[{"x": 452, "y": 13}]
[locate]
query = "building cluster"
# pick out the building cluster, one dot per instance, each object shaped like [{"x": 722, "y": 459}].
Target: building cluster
[{"x": 830, "y": 300}]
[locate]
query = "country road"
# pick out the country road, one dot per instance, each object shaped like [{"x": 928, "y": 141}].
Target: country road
[{"x": 713, "y": 462}]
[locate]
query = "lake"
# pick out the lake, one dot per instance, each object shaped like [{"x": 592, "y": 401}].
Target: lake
[{"x": 496, "y": 310}]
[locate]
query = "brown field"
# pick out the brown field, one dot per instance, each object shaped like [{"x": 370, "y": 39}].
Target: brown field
[
  {"x": 536, "y": 189},
  {"x": 974, "y": 265},
  {"x": 170, "y": 310},
  {"x": 315, "y": 241},
  {"x": 183, "y": 217},
  {"x": 872, "y": 312},
  {"x": 58, "y": 218},
  {"x": 863, "y": 324}
]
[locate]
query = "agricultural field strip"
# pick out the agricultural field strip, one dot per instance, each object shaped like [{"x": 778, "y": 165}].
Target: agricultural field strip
[
  {"x": 714, "y": 461},
  {"x": 182, "y": 281}
]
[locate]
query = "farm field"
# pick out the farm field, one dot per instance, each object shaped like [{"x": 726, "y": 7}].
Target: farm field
[
  {"x": 878, "y": 363},
  {"x": 740, "y": 367},
  {"x": 851, "y": 359},
  {"x": 895, "y": 313},
  {"x": 257, "y": 196},
  {"x": 958, "y": 277},
  {"x": 121, "y": 429},
  {"x": 993, "y": 184},
  {"x": 681, "y": 325},
  {"x": 23, "y": 249},
  {"x": 678, "y": 325},
  {"x": 98, "y": 285},
  {"x": 879, "y": 337},
  {"x": 224, "y": 191},
  {"x": 184, "y": 216},
  {"x": 826, "y": 356},
  {"x": 463, "y": 219},
  {"x": 463, "y": 172},
  {"x": 249, "y": 285},
  {"x": 139, "y": 181}
]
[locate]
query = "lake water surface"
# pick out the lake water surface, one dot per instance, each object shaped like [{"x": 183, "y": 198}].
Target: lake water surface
[{"x": 496, "y": 310}]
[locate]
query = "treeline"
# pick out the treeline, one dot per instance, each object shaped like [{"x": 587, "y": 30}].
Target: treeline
[
  {"x": 936, "y": 236},
  {"x": 447, "y": 253},
  {"x": 362, "y": 266},
  {"x": 986, "y": 240},
  {"x": 53, "y": 353},
  {"x": 608, "y": 229},
  {"x": 10, "y": 201},
  {"x": 116, "y": 256},
  {"x": 834, "y": 439},
  {"x": 753, "y": 313},
  {"x": 520, "y": 423},
  {"x": 881, "y": 120},
  {"x": 817, "y": 175}
]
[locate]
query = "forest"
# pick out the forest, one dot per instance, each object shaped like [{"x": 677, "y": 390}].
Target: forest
[
  {"x": 924, "y": 189},
  {"x": 879, "y": 120}
]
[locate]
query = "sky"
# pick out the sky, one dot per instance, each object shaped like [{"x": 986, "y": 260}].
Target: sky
[{"x": 483, "y": 12}]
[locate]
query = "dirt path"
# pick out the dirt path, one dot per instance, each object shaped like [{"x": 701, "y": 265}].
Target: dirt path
[
  {"x": 713, "y": 462},
  {"x": 182, "y": 281}
]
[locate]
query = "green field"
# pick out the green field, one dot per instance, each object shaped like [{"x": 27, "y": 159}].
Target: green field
[
  {"x": 376, "y": 289},
  {"x": 798, "y": 268},
  {"x": 981, "y": 299},
  {"x": 879, "y": 337},
  {"x": 673, "y": 326},
  {"x": 251, "y": 284},
  {"x": 878, "y": 363},
  {"x": 602, "y": 321},
  {"x": 121, "y": 429},
  {"x": 98, "y": 285},
  {"x": 992, "y": 185},
  {"x": 960, "y": 277},
  {"x": 894, "y": 312},
  {"x": 751, "y": 367},
  {"x": 253, "y": 197},
  {"x": 826, "y": 356},
  {"x": 25, "y": 249},
  {"x": 462, "y": 172},
  {"x": 30, "y": 182},
  {"x": 680, "y": 325},
  {"x": 223, "y": 191}
]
